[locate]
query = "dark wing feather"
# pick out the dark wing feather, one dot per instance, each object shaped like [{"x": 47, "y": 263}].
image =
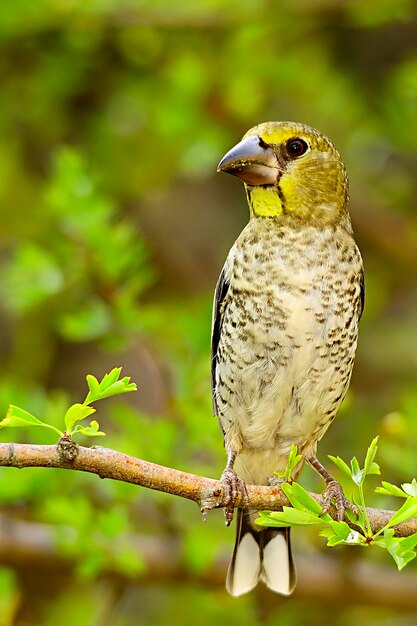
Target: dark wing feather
[
  {"x": 361, "y": 303},
  {"x": 222, "y": 288}
]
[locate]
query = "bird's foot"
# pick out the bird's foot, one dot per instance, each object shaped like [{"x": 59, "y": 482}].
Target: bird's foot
[
  {"x": 334, "y": 491},
  {"x": 232, "y": 487}
]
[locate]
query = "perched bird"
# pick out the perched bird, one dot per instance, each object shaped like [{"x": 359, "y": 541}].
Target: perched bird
[{"x": 285, "y": 324}]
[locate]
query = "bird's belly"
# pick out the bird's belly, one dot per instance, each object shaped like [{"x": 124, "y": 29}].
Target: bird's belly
[{"x": 285, "y": 375}]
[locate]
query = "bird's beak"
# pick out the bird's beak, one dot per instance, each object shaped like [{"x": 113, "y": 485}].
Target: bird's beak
[{"x": 253, "y": 161}]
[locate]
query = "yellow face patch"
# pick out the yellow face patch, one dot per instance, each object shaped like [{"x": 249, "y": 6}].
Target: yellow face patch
[{"x": 264, "y": 201}]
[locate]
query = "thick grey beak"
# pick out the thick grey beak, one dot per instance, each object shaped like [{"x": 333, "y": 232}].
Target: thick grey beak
[{"x": 253, "y": 161}]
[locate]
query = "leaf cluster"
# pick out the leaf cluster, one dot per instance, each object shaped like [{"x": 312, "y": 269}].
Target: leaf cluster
[
  {"x": 305, "y": 511},
  {"x": 110, "y": 385}
]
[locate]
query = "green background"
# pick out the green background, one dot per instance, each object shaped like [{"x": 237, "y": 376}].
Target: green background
[{"x": 114, "y": 227}]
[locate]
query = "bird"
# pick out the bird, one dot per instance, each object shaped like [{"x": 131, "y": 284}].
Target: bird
[{"x": 284, "y": 334}]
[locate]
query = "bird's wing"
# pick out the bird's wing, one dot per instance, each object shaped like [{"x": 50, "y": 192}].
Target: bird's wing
[
  {"x": 220, "y": 293},
  {"x": 361, "y": 302}
]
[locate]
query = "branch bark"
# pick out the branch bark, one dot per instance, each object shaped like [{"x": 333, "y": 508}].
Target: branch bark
[{"x": 206, "y": 492}]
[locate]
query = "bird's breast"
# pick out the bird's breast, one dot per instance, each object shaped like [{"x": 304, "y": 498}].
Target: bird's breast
[{"x": 288, "y": 339}]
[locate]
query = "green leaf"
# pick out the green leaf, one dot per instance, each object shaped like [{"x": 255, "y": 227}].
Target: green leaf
[
  {"x": 352, "y": 517},
  {"x": 292, "y": 462},
  {"x": 410, "y": 542},
  {"x": 370, "y": 467},
  {"x": 354, "y": 538},
  {"x": 263, "y": 518},
  {"x": 288, "y": 517},
  {"x": 404, "y": 513},
  {"x": 356, "y": 472},
  {"x": 90, "y": 431},
  {"x": 110, "y": 378},
  {"x": 340, "y": 463},
  {"x": 300, "y": 499},
  {"x": 108, "y": 386},
  {"x": 388, "y": 489},
  {"x": 359, "y": 519},
  {"x": 410, "y": 488},
  {"x": 399, "y": 550},
  {"x": 340, "y": 529},
  {"x": 373, "y": 469},
  {"x": 293, "y": 459},
  {"x": 76, "y": 413},
  {"x": 19, "y": 418},
  {"x": 340, "y": 533},
  {"x": 94, "y": 389}
]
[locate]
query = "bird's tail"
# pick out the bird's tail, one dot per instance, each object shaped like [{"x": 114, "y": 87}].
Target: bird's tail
[{"x": 263, "y": 554}]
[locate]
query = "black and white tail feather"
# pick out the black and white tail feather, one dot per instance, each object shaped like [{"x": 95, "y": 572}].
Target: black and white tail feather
[{"x": 260, "y": 554}]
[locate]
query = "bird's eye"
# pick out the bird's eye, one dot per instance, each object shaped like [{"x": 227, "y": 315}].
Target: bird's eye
[{"x": 296, "y": 147}]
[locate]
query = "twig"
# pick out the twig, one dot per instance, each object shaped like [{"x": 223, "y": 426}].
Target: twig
[{"x": 206, "y": 492}]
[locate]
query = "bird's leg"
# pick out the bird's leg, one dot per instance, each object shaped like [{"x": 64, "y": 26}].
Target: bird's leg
[
  {"x": 232, "y": 485},
  {"x": 332, "y": 491}
]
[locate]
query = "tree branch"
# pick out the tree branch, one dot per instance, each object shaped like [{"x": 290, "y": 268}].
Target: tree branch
[{"x": 206, "y": 492}]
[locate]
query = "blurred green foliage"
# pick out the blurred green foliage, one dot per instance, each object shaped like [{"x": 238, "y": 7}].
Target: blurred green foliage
[{"x": 113, "y": 229}]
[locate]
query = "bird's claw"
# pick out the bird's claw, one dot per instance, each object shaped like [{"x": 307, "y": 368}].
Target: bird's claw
[
  {"x": 233, "y": 487},
  {"x": 334, "y": 491}
]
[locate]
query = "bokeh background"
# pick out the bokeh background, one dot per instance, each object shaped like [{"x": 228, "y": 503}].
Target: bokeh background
[{"x": 114, "y": 227}]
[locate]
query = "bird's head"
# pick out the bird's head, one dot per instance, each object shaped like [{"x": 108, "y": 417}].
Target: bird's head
[{"x": 290, "y": 169}]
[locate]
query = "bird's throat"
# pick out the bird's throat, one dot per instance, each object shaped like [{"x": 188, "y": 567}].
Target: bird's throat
[{"x": 265, "y": 200}]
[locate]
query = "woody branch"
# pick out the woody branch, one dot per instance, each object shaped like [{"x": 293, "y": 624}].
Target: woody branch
[{"x": 206, "y": 492}]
